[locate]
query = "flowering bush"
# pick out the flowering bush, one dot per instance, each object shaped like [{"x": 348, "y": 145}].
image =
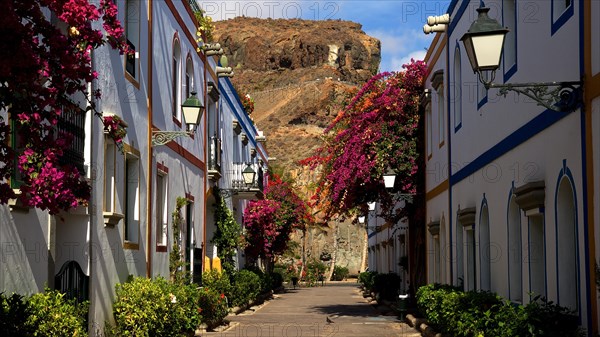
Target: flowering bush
[
  {"x": 115, "y": 127},
  {"x": 156, "y": 307},
  {"x": 376, "y": 130},
  {"x": 212, "y": 305},
  {"x": 248, "y": 103},
  {"x": 38, "y": 87}
]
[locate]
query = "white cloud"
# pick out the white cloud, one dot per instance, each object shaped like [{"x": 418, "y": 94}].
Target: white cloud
[{"x": 399, "y": 46}]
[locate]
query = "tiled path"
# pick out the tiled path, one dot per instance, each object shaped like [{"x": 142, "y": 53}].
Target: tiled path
[{"x": 303, "y": 312}]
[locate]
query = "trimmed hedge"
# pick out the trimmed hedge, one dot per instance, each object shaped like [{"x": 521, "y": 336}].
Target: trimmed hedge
[
  {"x": 42, "y": 314},
  {"x": 482, "y": 313}
]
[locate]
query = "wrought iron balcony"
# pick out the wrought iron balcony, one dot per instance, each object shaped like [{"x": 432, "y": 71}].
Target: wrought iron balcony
[
  {"x": 71, "y": 124},
  {"x": 214, "y": 158},
  {"x": 238, "y": 186}
]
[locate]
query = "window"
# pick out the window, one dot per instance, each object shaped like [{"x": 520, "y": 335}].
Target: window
[
  {"x": 161, "y": 208},
  {"x": 109, "y": 176},
  {"x": 429, "y": 130},
  {"x": 176, "y": 81},
  {"x": 436, "y": 258},
  {"x": 484, "y": 248},
  {"x": 460, "y": 269},
  {"x": 132, "y": 33},
  {"x": 470, "y": 257},
  {"x": 189, "y": 77},
  {"x": 18, "y": 145},
  {"x": 562, "y": 11},
  {"x": 132, "y": 199},
  {"x": 509, "y": 17},
  {"x": 566, "y": 233},
  {"x": 457, "y": 90},
  {"x": 515, "y": 287},
  {"x": 537, "y": 256},
  {"x": 441, "y": 116},
  {"x": 189, "y": 231}
]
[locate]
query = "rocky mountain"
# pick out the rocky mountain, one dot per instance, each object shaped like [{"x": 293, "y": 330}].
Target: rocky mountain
[
  {"x": 299, "y": 72},
  {"x": 296, "y": 71}
]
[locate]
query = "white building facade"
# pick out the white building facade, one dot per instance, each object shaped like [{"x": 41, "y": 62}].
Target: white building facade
[
  {"x": 512, "y": 194},
  {"x": 127, "y": 229}
]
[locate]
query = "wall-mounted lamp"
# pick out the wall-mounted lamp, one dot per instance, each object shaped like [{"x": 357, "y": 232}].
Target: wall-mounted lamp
[
  {"x": 484, "y": 42},
  {"x": 389, "y": 180},
  {"x": 249, "y": 178},
  {"x": 361, "y": 219},
  {"x": 436, "y": 24},
  {"x": 211, "y": 49},
  {"x": 192, "y": 112},
  {"x": 371, "y": 205},
  {"x": 223, "y": 70}
]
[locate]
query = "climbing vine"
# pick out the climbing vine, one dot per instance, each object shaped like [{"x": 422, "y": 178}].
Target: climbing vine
[
  {"x": 227, "y": 235},
  {"x": 176, "y": 261},
  {"x": 376, "y": 131}
]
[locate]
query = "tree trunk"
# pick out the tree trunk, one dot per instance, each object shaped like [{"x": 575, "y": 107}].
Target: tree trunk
[
  {"x": 335, "y": 249},
  {"x": 365, "y": 252}
]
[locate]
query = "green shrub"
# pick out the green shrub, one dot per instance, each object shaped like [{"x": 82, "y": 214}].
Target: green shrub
[
  {"x": 482, "y": 313},
  {"x": 313, "y": 270},
  {"x": 14, "y": 312},
  {"x": 276, "y": 280},
  {"x": 340, "y": 273},
  {"x": 218, "y": 281},
  {"x": 386, "y": 286},
  {"x": 367, "y": 279},
  {"x": 213, "y": 306},
  {"x": 141, "y": 307},
  {"x": 155, "y": 307},
  {"x": 246, "y": 287},
  {"x": 50, "y": 314}
]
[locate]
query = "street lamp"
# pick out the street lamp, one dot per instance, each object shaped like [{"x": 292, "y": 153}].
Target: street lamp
[
  {"x": 192, "y": 111},
  {"x": 248, "y": 178},
  {"x": 249, "y": 175},
  {"x": 389, "y": 178},
  {"x": 484, "y": 42}
]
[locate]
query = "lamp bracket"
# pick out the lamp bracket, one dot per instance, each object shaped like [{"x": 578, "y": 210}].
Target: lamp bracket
[
  {"x": 163, "y": 137},
  {"x": 556, "y": 96},
  {"x": 229, "y": 192}
]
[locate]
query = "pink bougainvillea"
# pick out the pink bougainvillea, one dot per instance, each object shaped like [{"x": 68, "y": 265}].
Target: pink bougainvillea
[
  {"x": 270, "y": 222},
  {"x": 377, "y": 130},
  {"x": 45, "y": 61}
]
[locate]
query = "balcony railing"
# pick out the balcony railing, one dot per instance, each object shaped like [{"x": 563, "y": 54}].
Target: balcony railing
[
  {"x": 237, "y": 180},
  {"x": 214, "y": 156},
  {"x": 71, "y": 123}
]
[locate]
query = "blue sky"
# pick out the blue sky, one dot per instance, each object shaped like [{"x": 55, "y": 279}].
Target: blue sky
[{"x": 397, "y": 23}]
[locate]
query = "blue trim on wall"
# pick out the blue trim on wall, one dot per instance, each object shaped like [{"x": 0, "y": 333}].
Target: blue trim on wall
[
  {"x": 249, "y": 132},
  {"x": 566, "y": 172},
  {"x": 459, "y": 13},
  {"x": 562, "y": 19},
  {"x": 508, "y": 73},
  {"x": 522, "y": 134}
]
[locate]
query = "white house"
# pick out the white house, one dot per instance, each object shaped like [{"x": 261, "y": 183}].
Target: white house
[
  {"x": 511, "y": 185},
  {"x": 127, "y": 227}
]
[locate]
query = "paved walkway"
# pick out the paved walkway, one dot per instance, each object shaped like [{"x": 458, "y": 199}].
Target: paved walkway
[{"x": 303, "y": 312}]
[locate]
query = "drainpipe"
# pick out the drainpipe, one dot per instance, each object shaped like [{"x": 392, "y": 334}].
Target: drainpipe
[{"x": 91, "y": 177}]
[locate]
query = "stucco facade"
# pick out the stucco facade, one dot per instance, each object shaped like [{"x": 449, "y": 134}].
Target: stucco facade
[{"x": 517, "y": 195}]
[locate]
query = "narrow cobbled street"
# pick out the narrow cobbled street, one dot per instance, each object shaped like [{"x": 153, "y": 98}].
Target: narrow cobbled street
[{"x": 305, "y": 312}]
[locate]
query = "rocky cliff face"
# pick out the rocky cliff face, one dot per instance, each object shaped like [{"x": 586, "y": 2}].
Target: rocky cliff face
[
  {"x": 299, "y": 72},
  {"x": 296, "y": 71}
]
